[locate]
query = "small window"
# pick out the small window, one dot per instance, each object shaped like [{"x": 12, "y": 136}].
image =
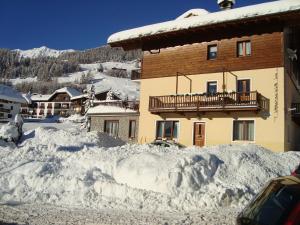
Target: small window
[
  {"x": 243, "y": 130},
  {"x": 132, "y": 128},
  {"x": 167, "y": 130},
  {"x": 244, "y": 48},
  {"x": 9, "y": 116},
  {"x": 211, "y": 87},
  {"x": 212, "y": 52},
  {"x": 11, "y": 108},
  {"x": 111, "y": 127}
]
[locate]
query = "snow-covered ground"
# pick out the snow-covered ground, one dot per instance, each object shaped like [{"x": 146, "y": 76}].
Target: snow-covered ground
[{"x": 70, "y": 176}]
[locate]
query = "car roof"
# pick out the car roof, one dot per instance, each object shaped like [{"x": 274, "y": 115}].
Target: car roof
[{"x": 288, "y": 180}]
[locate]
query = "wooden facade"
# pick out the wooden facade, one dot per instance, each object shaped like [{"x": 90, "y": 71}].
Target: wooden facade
[
  {"x": 60, "y": 97},
  {"x": 266, "y": 52}
]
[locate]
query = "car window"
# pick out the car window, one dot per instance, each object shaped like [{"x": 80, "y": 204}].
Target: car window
[{"x": 273, "y": 205}]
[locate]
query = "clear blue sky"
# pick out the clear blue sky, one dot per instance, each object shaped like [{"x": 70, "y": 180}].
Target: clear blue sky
[{"x": 83, "y": 24}]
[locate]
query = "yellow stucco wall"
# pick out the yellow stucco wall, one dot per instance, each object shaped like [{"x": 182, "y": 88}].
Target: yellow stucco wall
[{"x": 269, "y": 129}]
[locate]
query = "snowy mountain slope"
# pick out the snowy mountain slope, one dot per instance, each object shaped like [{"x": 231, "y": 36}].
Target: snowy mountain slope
[
  {"x": 42, "y": 52},
  {"x": 101, "y": 81}
]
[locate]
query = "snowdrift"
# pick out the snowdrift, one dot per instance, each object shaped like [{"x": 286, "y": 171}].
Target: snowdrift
[
  {"x": 9, "y": 132},
  {"x": 76, "y": 169}
]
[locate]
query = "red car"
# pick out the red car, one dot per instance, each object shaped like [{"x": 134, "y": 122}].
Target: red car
[
  {"x": 296, "y": 172},
  {"x": 277, "y": 204}
]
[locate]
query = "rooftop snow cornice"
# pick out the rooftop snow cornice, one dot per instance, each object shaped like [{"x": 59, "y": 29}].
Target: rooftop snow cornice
[{"x": 248, "y": 12}]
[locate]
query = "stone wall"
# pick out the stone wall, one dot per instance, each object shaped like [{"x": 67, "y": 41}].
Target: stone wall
[{"x": 97, "y": 124}]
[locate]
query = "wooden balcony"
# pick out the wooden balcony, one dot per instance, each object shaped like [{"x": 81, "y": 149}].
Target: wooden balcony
[
  {"x": 250, "y": 101},
  {"x": 3, "y": 110}
]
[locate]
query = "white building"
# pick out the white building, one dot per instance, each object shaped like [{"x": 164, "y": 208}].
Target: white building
[{"x": 10, "y": 103}]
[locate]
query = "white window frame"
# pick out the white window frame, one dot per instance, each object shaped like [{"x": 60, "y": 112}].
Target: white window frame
[
  {"x": 178, "y": 131},
  {"x": 243, "y": 141},
  {"x": 210, "y": 81}
]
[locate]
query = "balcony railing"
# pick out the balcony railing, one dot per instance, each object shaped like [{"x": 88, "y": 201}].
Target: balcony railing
[
  {"x": 251, "y": 101},
  {"x": 3, "y": 110}
]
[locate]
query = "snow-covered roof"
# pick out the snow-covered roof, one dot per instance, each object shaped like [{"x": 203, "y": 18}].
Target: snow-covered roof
[
  {"x": 27, "y": 97},
  {"x": 104, "y": 109},
  {"x": 72, "y": 92},
  {"x": 264, "y": 9},
  {"x": 39, "y": 97},
  {"x": 9, "y": 94},
  {"x": 193, "y": 12},
  {"x": 79, "y": 96}
]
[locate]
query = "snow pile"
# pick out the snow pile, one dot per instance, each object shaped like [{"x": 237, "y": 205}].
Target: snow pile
[
  {"x": 76, "y": 118},
  {"x": 9, "y": 132},
  {"x": 67, "y": 140},
  {"x": 73, "y": 168},
  {"x": 42, "y": 52},
  {"x": 270, "y": 8}
]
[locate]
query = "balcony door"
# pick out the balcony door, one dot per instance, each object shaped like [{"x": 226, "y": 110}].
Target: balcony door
[
  {"x": 199, "y": 134},
  {"x": 243, "y": 89}
]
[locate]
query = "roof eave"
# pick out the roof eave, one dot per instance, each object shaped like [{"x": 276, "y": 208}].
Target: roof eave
[{"x": 151, "y": 42}]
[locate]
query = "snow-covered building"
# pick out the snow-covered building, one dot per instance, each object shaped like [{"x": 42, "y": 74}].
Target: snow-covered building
[
  {"x": 58, "y": 103},
  {"x": 10, "y": 103},
  {"x": 231, "y": 76},
  {"x": 116, "y": 121}
]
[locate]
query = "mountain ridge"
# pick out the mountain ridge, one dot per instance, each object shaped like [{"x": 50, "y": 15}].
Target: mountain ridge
[{"x": 42, "y": 51}]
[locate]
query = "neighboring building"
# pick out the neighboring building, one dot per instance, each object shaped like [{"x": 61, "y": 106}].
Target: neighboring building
[
  {"x": 27, "y": 107},
  {"x": 10, "y": 103},
  {"x": 116, "y": 121},
  {"x": 220, "y": 78},
  {"x": 59, "y": 103}
]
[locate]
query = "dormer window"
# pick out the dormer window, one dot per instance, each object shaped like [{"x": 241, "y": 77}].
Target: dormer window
[
  {"x": 212, "y": 52},
  {"x": 243, "y": 48}
]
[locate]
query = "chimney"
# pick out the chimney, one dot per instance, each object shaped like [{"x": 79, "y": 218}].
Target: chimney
[{"x": 226, "y": 4}]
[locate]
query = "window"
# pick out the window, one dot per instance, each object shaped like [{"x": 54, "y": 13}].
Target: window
[
  {"x": 167, "y": 130},
  {"x": 9, "y": 116},
  {"x": 244, "y": 48},
  {"x": 243, "y": 86},
  {"x": 212, "y": 52},
  {"x": 111, "y": 127},
  {"x": 243, "y": 130},
  {"x": 11, "y": 108},
  {"x": 211, "y": 87},
  {"x": 132, "y": 128}
]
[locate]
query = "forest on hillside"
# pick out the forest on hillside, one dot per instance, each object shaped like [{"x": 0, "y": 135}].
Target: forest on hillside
[
  {"x": 46, "y": 68},
  {"x": 100, "y": 55}
]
